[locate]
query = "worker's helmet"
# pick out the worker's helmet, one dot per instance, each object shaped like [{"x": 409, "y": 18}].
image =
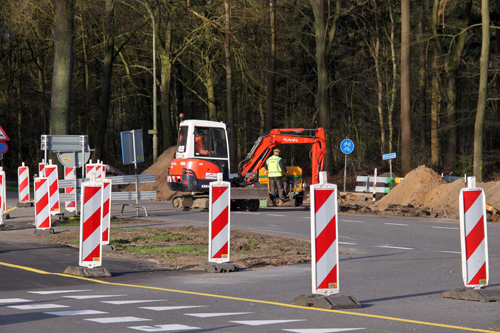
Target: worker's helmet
[
  {"x": 276, "y": 150},
  {"x": 199, "y": 133}
]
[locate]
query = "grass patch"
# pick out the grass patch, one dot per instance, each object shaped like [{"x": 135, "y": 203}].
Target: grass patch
[{"x": 151, "y": 249}]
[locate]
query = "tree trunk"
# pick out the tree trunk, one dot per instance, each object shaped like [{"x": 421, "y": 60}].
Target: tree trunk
[
  {"x": 322, "y": 95},
  {"x": 483, "y": 91},
  {"x": 435, "y": 110},
  {"x": 270, "y": 68},
  {"x": 229, "y": 85},
  {"x": 107, "y": 71},
  {"x": 63, "y": 67},
  {"x": 166, "y": 80},
  {"x": 406, "y": 137},
  {"x": 210, "y": 84}
]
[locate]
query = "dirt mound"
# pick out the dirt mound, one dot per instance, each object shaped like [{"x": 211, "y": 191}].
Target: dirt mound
[{"x": 160, "y": 169}]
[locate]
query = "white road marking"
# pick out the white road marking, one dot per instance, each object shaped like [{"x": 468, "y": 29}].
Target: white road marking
[
  {"x": 133, "y": 302},
  {"x": 113, "y": 320},
  {"x": 93, "y": 296},
  {"x": 75, "y": 313},
  {"x": 168, "y": 308},
  {"x": 215, "y": 314},
  {"x": 14, "y": 300},
  {"x": 247, "y": 213},
  {"x": 400, "y": 224},
  {"x": 454, "y": 252},
  {"x": 347, "y": 243},
  {"x": 50, "y": 292},
  {"x": 265, "y": 322},
  {"x": 38, "y": 306},
  {"x": 279, "y": 215},
  {"x": 352, "y": 221},
  {"x": 324, "y": 330},
  {"x": 164, "y": 328},
  {"x": 395, "y": 247},
  {"x": 449, "y": 228}
]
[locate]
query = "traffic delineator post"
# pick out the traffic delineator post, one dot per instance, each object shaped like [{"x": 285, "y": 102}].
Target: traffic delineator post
[
  {"x": 51, "y": 173},
  {"x": 106, "y": 211},
  {"x": 41, "y": 169},
  {"x": 473, "y": 236},
  {"x": 23, "y": 181},
  {"x": 69, "y": 174},
  {"x": 90, "y": 254},
  {"x": 42, "y": 203},
  {"x": 219, "y": 218},
  {"x": 325, "y": 251}
]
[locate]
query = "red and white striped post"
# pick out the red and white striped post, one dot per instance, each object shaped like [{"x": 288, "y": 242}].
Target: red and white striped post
[
  {"x": 324, "y": 237},
  {"x": 69, "y": 174},
  {"x": 219, "y": 218},
  {"x": 90, "y": 224},
  {"x": 3, "y": 197},
  {"x": 41, "y": 169},
  {"x": 42, "y": 207},
  {"x": 23, "y": 181},
  {"x": 52, "y": 174},
  {"x": 473, "y": 236},
  {"x": 106, "y": 210}
]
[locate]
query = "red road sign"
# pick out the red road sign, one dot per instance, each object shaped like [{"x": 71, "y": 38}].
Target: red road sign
[{"x": 3, "y": 135}]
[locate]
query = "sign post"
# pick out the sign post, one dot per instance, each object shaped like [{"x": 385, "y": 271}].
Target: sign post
[
  {"x": 347, "y": 147},
  {"x": 389, "y": 157}
]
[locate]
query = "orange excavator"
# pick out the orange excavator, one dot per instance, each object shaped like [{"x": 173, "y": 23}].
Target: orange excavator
[{"x": 203, "y": 152}]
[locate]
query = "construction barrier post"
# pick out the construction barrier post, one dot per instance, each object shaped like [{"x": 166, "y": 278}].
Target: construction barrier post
[
  {"x": 23, "y": 181},
  {"x": 52, "y": 174},
  {"x": 473, "y": 236},
  {"x": 91, "y": 224},
  {"x": 3, "y": 197},
  {"x": 219, "y": 218},
  {"x": 41, "y": 169},
  {"x": 69, "y": 174},
  {"x": 324, "y": 241},
  {"x": 42, "y": 207},
  {"x": 106, "y": 210}
]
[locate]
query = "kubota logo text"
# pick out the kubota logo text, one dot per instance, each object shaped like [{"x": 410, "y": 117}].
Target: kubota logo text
[{"x": 291, "y": 140}]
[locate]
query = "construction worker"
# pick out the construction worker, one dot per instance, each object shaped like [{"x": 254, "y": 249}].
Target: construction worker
[
  {"x": 276, "y": 168},
  {"x": 198, "y": 145}
]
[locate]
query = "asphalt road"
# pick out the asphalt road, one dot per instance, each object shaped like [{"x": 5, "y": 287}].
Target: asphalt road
[{"x": 396, "y": 267}]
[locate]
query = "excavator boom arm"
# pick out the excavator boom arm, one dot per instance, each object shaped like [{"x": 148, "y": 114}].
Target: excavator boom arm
[{"x": 248, "y": 168}]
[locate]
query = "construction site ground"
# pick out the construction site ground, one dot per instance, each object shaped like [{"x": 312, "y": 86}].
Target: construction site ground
[{"x": 422, "y": 193}]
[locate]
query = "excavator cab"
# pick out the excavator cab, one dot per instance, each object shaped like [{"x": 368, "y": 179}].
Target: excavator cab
[{"x": 202, "y": 153}]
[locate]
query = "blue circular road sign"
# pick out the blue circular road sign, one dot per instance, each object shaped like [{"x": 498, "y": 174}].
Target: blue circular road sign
[
  {"x": 347, "y": 146},
  {"x": 3, "y": 147}
]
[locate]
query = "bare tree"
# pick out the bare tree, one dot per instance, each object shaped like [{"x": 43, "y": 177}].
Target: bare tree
[{"x": 406, "y": 140}]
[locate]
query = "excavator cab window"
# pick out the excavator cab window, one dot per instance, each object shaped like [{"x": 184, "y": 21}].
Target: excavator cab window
[
  {"x": 182, "y": 139},
  {"x": 210, "y": 142}
]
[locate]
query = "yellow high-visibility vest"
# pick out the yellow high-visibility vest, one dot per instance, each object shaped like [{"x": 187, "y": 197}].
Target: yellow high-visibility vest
[{"x": 273, "y": 166}]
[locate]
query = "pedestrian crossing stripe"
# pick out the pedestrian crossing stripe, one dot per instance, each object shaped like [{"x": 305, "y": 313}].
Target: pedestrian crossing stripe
[
  {"x": 133, "y": 301},
  {"x": 92, "y": 296},
  {"x": 14, "y": 300},
  {"x": 164, "y": 328},
  {"x": 50, "y": 292},
  {"x": 37, "y": 306},
  {"x": 324, "y": 330}
]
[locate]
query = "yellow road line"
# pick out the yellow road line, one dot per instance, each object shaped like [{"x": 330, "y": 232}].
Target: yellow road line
[
  {"x": 366, "y": 315},
  {"x": 10, "y": 210}
]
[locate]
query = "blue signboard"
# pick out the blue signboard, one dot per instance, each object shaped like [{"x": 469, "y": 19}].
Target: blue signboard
[
  {"x": 390, "y": 156},
  {"x": 347, "y": 146},
  {"x": 3, "y": 147}
]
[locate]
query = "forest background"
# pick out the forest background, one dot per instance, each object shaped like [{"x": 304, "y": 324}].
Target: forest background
[{"x": 393, "y": 76}]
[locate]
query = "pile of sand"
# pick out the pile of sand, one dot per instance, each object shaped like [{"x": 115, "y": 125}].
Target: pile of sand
[
  {"x": 424, "y": 188},
  {"x": 160, "y": 169}
]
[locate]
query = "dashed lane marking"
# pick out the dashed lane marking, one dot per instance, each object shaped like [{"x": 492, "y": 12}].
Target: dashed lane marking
[
  {"x": 249, "y": 300},
  {"x": 347, "y": 243},
  {"x": 92, "y": 296},
  {"x": 114, "y": 320},
  {"x": 169, "y": 308},
  {"x": 216, "y": 314},
  {"x": 399, "y": 224},
  {"x": 14, "y": 300},
  {"x": 395, "y": 247},
  {"x": 75, "y": 313},
  {"x": 352, "y": 221},
  {"x": 265, "y": 322},
  {"x": 50, "y": 292},
  {"x": 246, "y": 213},
  {"x": 279, "y": 215},
  {"x": 164, "y": 328},
  {"x": 449, "y": 228},
  {"x": 324, "y": 330},
  {"x": 38, "y": 306},
  {"x": 454, "y": 252},
  {"x": 133, "y": 302}
]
